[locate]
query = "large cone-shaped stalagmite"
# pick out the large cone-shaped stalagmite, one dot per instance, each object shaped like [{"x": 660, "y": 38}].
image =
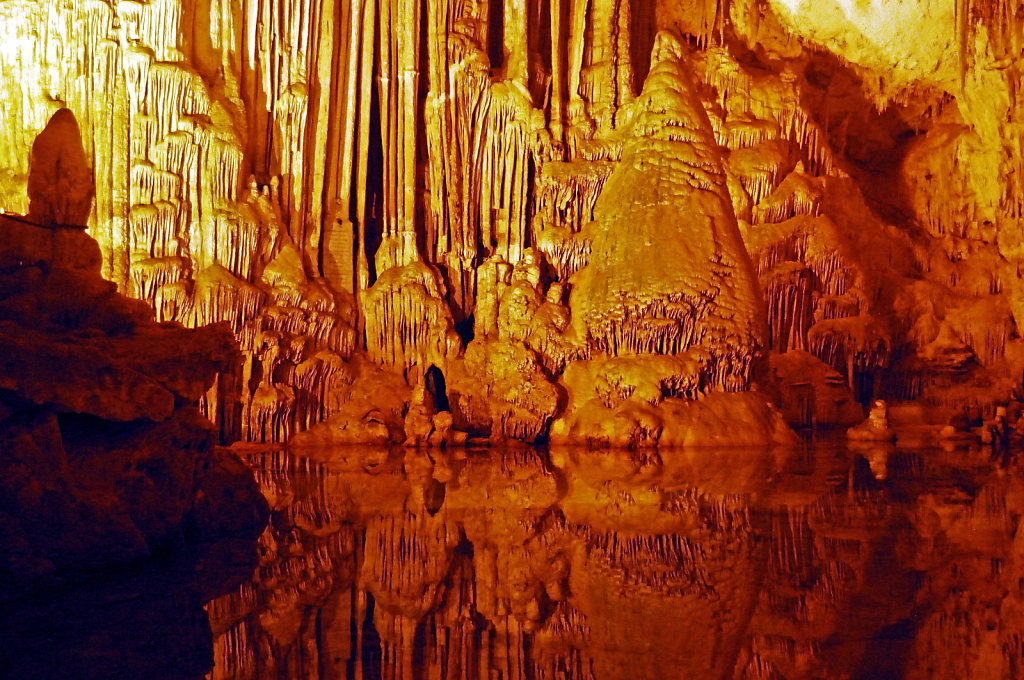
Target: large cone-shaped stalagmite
[{"x": 668, "y": 269}]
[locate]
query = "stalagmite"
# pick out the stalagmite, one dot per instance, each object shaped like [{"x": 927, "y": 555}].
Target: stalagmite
[
  {"x": 60, "y": 184},
  {"x": 632, "y": 298}
]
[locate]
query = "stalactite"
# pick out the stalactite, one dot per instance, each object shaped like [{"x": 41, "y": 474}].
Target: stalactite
[
  {"x": 788, "y": 293},
  {"x": 512, "y": 123},
  {"x": 757, "y": 109},
  {"x": 459, "y": 104},
  {"x": 566, "y": 252},
  {"x": 566, "y": 193},
  {"x": 796, "y": 195},
  {"x": 852, "y": 343},
  {"x": 152, "y": 276},
  {"x": 407, "y": 322},
  {"x": 220, "y": 296}
]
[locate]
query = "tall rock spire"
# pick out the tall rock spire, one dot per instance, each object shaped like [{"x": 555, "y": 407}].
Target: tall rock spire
[{"x": 668, "y": 269}]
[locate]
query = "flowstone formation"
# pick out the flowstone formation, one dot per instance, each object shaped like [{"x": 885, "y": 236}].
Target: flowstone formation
[
  {"x": 667, "y": 304},
  {"x": 583, "y": 221}
]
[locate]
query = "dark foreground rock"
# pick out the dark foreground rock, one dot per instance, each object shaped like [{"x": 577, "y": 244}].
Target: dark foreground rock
[{"x": 104, "y": 458}]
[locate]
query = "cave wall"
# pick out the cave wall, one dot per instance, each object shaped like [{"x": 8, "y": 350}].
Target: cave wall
[{"x": 365, "y": 188}]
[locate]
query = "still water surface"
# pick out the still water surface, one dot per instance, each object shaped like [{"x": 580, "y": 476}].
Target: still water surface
[{"x": 823, "y": 562}]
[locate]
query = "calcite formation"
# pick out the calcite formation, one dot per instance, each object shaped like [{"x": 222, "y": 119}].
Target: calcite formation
[
  {"x": 668, "y": 196},
  {"x": 667, "y": 270}
]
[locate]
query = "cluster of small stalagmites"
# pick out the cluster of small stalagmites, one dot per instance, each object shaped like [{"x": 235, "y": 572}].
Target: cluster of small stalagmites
[{"x": 502, "y": 386}]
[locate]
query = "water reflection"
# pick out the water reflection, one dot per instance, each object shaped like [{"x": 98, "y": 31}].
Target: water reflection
[
  {"x": 142, "y": 624},
  {"x": 876, "y": 563}
]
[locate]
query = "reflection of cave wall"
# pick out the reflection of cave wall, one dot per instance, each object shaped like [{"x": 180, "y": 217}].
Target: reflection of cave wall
[
  {"x": 330, "y": 177},
  {"x": 527, "y": 571}
]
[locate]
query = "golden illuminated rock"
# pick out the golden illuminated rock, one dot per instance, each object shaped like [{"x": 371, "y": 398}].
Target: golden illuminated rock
[{"x": 514, "y": 193}]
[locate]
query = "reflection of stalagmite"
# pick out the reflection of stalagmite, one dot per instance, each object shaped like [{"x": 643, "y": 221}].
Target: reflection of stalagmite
[{"x": 406, "y": 562}]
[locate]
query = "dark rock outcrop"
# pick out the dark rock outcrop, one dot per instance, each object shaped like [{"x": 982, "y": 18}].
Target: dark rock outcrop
[{"x": 104, "y": 458}]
